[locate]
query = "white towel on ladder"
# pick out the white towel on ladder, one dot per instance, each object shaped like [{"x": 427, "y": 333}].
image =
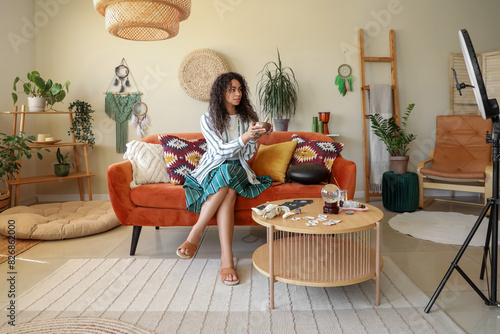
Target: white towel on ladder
[{"x": 380, "y": 102}]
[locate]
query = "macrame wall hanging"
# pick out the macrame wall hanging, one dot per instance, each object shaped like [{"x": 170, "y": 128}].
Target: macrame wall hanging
[{"x": 121, "y": 99}]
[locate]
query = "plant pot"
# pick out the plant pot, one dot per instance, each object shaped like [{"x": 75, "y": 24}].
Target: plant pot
[
  {"x": 399, "y": 164},
  {"x": 4, "y": 196},
  {"x": 36, "y": 103},
  {"x": 61, "y": 170},
  {"x": 281, "y": 124}
]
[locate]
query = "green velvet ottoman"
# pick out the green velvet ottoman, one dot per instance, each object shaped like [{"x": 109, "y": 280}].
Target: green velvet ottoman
[{"x": 400, "y": 191}]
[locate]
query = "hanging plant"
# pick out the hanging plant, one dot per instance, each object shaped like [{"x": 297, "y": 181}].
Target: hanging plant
[{"x": 82, "y": 122}]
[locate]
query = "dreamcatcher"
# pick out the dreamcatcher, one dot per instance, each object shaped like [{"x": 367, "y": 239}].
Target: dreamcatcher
[
  {"x": 122, "y": 72},
  {"x": 344, "y": 79},
  {"x": 140, "y": 118}
]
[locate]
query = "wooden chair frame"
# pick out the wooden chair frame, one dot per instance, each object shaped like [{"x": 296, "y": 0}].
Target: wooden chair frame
[{"x": 475, "y": 186}]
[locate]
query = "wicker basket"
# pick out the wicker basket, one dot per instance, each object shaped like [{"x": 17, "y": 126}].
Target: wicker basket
[{"x": 4, "y": 195}]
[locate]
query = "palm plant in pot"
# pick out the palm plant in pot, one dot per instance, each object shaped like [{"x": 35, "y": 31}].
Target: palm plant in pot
[
  {"x": 62, "y": 168},
  {"x": 40, "y": 92},
  {"x": 395, "y": 138},
  {"x": 12, "y": 149},
  {"x": 277, "y": 93}
]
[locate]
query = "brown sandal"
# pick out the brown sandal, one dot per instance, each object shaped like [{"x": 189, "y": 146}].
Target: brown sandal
[
  {"x": 224, "y": 273},
  {"x": 190, "y": 247}
]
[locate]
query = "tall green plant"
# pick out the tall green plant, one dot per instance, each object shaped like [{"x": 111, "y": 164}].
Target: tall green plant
[
  {"x": 277, "y": 90},
  {"x": 394, "y": 137},
  {"x": 82, "y": 122}
]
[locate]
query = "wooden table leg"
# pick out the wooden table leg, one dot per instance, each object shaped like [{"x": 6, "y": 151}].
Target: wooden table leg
[
  {"x": 270, "y": 238},
  {"x": 377, "y": 265}
]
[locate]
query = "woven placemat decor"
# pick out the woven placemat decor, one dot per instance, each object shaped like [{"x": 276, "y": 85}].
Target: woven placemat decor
[
  {"x": 198, "y": 71},
  {"x": 21, "y": 246}
]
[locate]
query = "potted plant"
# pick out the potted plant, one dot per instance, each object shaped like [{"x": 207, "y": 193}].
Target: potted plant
[
  {"x": 82, "y": 122},
  {"x": 40, "y": 92},
  {"x": 12, "y": 149},
  {"x": 395, "y": 138},
  {"x": 277, "y": 93},
  {"x": 61, "y": 169}
]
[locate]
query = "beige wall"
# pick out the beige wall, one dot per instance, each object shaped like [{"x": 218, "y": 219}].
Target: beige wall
[
  {"x": 314, "y": 38},
  {"x": 17, "y": 56}
]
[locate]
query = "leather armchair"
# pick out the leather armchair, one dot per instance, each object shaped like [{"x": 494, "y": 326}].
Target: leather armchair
[{"x": 461, "y": 159}]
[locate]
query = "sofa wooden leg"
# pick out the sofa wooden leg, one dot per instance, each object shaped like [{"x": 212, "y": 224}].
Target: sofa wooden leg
[
  {"x": 157, "y": 227},
  {"x": 135, "y": 239}
]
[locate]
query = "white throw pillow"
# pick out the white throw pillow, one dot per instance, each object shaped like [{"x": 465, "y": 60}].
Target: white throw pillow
[{"x": 148, "y": 165}]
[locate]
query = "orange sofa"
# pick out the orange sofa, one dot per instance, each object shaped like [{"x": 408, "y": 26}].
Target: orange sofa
[{"x": 163, "y": 204}]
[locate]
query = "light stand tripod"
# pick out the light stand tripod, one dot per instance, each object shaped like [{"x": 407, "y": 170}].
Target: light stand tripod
[{"x": 492, "y": 234}]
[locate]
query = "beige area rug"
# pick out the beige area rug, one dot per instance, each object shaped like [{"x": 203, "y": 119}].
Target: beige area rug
[
  {"x": 77, "y": 325},
  {"x": 443, "y": 227},
  {"x": 178, "y": 296},
  {"x": 21, "y": 246}
]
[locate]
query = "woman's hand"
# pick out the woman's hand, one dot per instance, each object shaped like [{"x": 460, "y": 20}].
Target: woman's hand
[{"x": 253, "y": 132}]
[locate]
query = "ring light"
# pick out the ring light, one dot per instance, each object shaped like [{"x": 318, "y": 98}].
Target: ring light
[{"x": 487, "y": 108}]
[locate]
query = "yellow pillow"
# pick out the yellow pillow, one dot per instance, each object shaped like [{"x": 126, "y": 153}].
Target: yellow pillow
[{"x": 273, "y": 160}]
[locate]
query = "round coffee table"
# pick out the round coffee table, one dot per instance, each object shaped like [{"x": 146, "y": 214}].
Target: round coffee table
[{"x": 320, "y": 255}]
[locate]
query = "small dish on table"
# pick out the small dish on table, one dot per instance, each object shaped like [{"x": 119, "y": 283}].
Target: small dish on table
[{"x": 354, "y": 209}]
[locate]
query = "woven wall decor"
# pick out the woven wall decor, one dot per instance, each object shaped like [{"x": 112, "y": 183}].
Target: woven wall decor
[
  {"x": 143, "y": 20},
  {"x": 198, "y": 71}
]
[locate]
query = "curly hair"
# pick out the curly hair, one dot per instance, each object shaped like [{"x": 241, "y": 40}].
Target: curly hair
[{"x": 217, "y": 107}]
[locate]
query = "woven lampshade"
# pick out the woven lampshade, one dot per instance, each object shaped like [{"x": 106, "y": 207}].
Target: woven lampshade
[{"x": 143, "y": 20}]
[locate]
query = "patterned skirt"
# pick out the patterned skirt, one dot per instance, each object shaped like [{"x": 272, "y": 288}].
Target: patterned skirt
[{"x": 231, "y": 174}]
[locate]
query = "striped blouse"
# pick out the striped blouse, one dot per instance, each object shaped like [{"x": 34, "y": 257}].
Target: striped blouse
[{"x": 219, "y": 149}]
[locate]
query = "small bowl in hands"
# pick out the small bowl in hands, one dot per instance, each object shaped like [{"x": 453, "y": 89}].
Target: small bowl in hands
[{"x": 264, "y": 125}]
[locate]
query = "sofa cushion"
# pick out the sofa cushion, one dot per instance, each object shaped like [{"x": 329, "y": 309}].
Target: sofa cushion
[
  {"x": 307, "y": 173},
  {"x": 273, "y": 160},
  {"x": 318, "y": 152},
  {"x": 181, "y": 156},
  {"x": 148, "y": 165}
]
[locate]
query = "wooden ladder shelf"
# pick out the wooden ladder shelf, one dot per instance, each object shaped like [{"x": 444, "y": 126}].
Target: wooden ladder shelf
[{"x": 364, "y": 88}]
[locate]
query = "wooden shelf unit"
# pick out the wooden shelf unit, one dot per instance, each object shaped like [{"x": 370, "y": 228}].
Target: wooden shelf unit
[{"x": 79, "y": 175}]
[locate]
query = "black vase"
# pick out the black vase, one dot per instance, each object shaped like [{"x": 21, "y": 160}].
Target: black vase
[{"x": 61, "y": 170}]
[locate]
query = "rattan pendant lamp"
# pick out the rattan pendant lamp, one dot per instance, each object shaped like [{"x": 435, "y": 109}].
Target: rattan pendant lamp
[{"x": 143, "y": 20}]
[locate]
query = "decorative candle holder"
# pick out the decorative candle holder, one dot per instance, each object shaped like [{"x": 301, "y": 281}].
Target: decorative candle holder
[
  {"x": 325, "y": 118},
  {"x": 315, "y": 124}
]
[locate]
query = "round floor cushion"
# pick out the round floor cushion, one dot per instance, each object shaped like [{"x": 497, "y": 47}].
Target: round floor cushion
[{"x": 55, "y": 221}]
